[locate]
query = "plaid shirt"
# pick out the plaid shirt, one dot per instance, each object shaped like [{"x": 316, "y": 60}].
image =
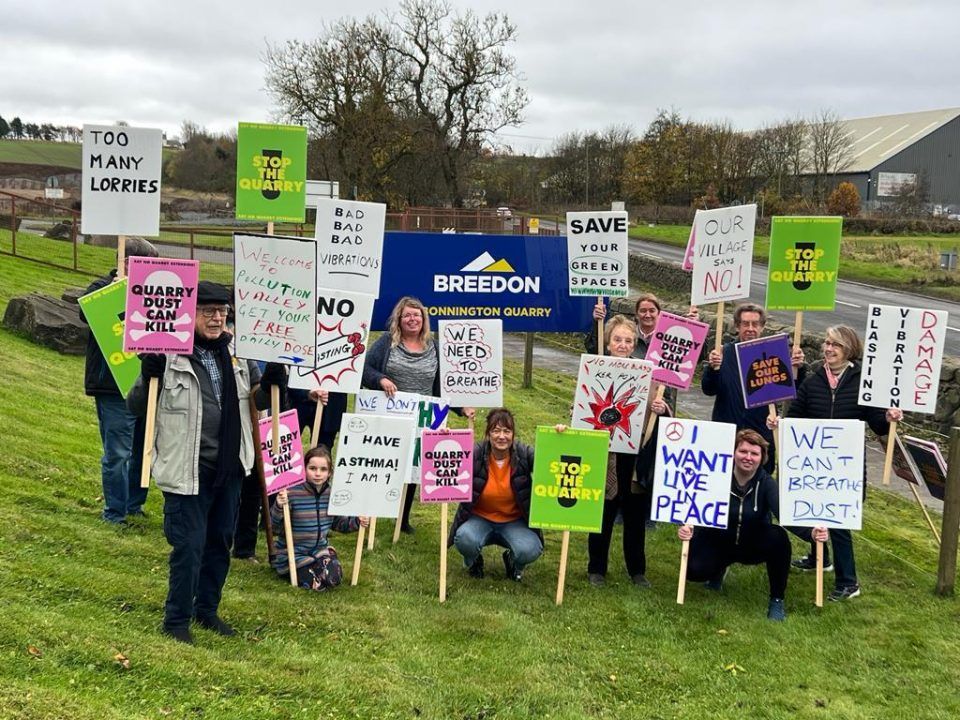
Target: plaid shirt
[{"x": 212, "y": 367}]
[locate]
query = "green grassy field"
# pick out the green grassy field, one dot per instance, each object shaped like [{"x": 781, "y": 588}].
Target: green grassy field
[
  {"x": 43, "y": 152},
  {"x": 82, "y": 602}
]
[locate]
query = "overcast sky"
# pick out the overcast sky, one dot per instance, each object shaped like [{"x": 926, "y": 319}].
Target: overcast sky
[{"x": 585, "y": 65}]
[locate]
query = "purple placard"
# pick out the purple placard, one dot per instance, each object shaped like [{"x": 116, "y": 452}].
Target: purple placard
[
  {"x": 766, "y": 375},
  {"x": 286, "y": 468},
  {"x": 675, "y": 349},
  {"x": 161, "y": 305},
  {"x": 446, "y": 466}
]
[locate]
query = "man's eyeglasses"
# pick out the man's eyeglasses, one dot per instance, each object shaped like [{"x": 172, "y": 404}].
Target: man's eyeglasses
[{"x": 211, "y": 310}]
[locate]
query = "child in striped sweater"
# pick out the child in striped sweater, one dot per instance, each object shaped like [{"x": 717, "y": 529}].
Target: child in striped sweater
[{"x": 318, "y": 567}]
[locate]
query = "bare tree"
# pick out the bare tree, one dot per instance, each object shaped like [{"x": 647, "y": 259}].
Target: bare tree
[{"x": 829, "y": 148}]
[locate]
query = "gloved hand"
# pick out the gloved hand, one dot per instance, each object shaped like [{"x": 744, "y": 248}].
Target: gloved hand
[
  {"x": 152, "y": 365},
  {"x": 273, "y": 374}
]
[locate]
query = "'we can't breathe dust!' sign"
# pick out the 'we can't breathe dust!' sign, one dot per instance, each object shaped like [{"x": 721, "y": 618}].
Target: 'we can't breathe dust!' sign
[{"x": 271, "y": 172}]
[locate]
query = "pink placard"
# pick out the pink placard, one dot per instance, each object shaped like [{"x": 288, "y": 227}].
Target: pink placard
[
  {"x": 691, "y": 242},
  {"x": 286, "y": 468},
  {"x": 446, "y": 466},
  {"x": 161, "y": 305},
  {"x": 675, "y": 349}
]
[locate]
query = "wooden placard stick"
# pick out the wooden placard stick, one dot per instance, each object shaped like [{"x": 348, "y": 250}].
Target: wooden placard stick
[
  {"x": 315, "y": 430},
  {"x": 652, "y": 420},
  {"x": 149, "y": 428},
  {"x": 772, "y": 415},
  {"x": 718, "y": 340},
  {"x": 888, "y": 460},
  {"x": 819, "y": 598},
  {"x": 275, "y": 416},
  {"x": 288, "y": 534},
  {"x": 372, "y": 534},
  {"x": 357, "y": 556},
  {"x": 682, "y": 582},
  {"x": 562, "y": 575},
  {"x": 923, "y": 509},
  {"x": 121, "y": 256},
  {"x": 258, "y": 469},
  {"x": 798, "y": 329},
  {"x": 397, "y": 525},
  {"x": 443, "y": 552},
  {"x": 599, "y": 347}
]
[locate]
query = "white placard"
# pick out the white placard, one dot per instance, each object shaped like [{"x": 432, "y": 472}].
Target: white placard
[
  {"x": 275, "y": 291},
  {"x": 343, "y": 331},
  {"x": 597, "y": 253},
  {"x": 821, "y": 473},
  {"x": 722, "y": 254},
  {"x": 612, "y": 395},
  {"x": 471, "y": 362},
  {"x": 372, "y": 456},
  {"x": 902, "y": 356},
  {"x": 350, "y": 244},
  {"x": 692, "y": 475},
  {"x": 121, "y": 180}
]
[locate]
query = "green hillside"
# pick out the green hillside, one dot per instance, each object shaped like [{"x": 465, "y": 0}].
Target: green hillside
[{"x": 40, "y": 152}]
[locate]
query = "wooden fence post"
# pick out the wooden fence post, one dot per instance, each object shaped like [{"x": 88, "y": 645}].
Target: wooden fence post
[
  {"x": 528, "y": 360},
  {"x": 947, "y": 568}
]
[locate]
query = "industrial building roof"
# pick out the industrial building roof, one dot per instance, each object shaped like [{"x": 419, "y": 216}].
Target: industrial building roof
[{"x": 875, "y": 139}]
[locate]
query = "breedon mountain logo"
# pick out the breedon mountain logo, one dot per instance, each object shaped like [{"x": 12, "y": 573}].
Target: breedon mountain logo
[{"x": 484, "y": 274}]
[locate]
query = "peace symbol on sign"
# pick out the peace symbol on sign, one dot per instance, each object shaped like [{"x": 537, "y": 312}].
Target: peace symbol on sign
[{"x": 674, "y": 431}]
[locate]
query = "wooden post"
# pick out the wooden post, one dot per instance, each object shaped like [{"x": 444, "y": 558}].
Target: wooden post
[
  {"x": 258, "y": 469},
  {"x": 682, "y": 582},
  {"x": 121, "y": 256},
  {"x": 357, "y": 556},
  {"x": 288, "y": 534},
  {"x": 443, "y": 552},
  {"x": 718, "y": 340},
  {"x": 372, "y": 533},
  {"x": 562, "y": 576},
  {"x": 652, "y": 420},
  {"x": 403, "y": 501},
  {"x": 923, "y": 509},
  {"x": 772, "y": 414},
  {"x": 149, "y": 428},
  {"x": 947, "y": 567},
  {"x": 819, "y": 597},
  {"x": 600, "y": 348},
  {"x": 315, "y": 430},
  {"x": 275, "y": 417},
  {"x": 798, "y": 329},
  {"x": 888, "y": 460},
  {"x": 528, "y": 360}
]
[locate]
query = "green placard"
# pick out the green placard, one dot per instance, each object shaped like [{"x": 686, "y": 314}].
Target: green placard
[
  {"x": 104, "y": 309},
  {"x": 804, "y": 263},
  {"x": 569, "y": 479},
  {"x": 271, "y": 172}
]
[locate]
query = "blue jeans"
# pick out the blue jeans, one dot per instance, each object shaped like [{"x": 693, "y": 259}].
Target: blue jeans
[
  {"x": 477, "y": 532},
  {"x": 121, "y": 434}
]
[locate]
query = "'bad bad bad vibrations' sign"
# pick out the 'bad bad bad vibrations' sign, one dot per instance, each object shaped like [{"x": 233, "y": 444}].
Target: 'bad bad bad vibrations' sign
[
  {"x": 161, "y": 305},
  {"x": 283, "y": 468},
  {"x": 612, "y": 396},
  {"x": 723, "y": 254},
  {"x": 766, "y": 375},
  {"x": 271, "y": 172},
  {"x": 275, "y": 285},
  {"x": 104, "y": 312},
  {"x": 350, "y": 244},
  {"x": 902, "y": 356},
  {"x": 821, "y": 473},
  {"x": 121, "y": 180},
  {"x": 371, "y": 452},
  {"x": 691, "y": 480},
  {"x": 446, "y": 466},
  {"x": 804, "y": 259},
  {"x": 471, "y": 362},
  {"x": 569, "y": 477},
  {"x": 597, "y": 253},
  {"x": 675, "y": 349}
]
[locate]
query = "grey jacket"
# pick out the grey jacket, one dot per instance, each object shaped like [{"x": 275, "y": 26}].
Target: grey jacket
[{"x": 176, "y": 453}]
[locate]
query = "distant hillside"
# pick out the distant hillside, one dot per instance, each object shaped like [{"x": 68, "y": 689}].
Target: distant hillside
[{"x": 42, "y": 152}]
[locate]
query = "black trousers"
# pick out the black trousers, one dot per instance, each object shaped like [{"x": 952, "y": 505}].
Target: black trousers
[
  {"x": 248, "y": 517},
  {"x": 199, "y": 529},
  {"x": 713, "y": 550},
  {"x": 635, "y": 510}
]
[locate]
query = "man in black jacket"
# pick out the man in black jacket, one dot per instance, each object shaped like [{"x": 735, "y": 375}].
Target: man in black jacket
[{"x": 120, "y": 432}]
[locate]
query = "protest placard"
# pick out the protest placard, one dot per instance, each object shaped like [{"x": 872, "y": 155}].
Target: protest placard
[
  {"x": 821, "y": 473},
  {"x": 766, "y": 375},
  {"x": 569, "y": 477},
  {"x": 121, "y": 180},
  {"x": 687, "y": 263},
  {"x": 271, "y": 172},
  {"x": 446, "y": 466},
  {"x": 675, "y": 349},
  {"x": 804, "y": 261},
  {"x": 343, "y": 328},
  {"x": 104, "y": 310},
  {"x": 471, "y": 362},
  {"x": 597, "y": 253},
  {"x": 283, "y": 468},
  {"x": 930, "y": 464},
  {"x": 371, "y": 452},
  {"x": 611, "y": 395},
  {"x": 275, "y": 289},
  {"x": 723, "y": 254},
  {"x": 902, "y": 356},
  {"x": 691, "y": 480},
  {"x": 903, "y": 464},
  {"x": 350, "y": 244},
  {"x": 161, "y": 305}
]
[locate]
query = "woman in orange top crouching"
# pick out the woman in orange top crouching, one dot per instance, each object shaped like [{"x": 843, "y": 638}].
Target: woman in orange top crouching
[{"x": 499, "y": 513}]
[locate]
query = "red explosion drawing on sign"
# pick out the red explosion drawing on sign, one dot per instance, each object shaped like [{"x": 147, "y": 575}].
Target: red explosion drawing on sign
[{"x": 612, "y": 413}]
